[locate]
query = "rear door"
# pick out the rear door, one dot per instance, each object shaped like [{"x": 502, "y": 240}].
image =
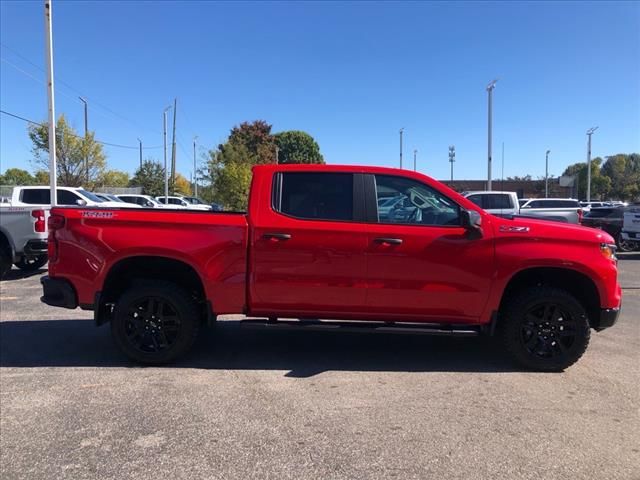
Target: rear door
[
  {"x": 422, "y": 264},
  {"x": 307, "y": 255}
]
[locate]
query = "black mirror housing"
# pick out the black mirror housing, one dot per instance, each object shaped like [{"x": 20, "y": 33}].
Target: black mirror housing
[{"x": 470, "y": 219}]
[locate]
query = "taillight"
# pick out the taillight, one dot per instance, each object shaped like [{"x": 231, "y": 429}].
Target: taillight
[
  {"x": 40, "y": 224},
  {"x": 56, "y": 222}
]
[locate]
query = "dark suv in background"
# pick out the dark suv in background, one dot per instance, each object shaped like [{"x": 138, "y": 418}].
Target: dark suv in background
[{"x": 608, "y": 219}]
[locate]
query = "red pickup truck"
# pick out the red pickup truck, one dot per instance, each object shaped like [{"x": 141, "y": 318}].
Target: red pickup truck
[{"x": 362, "y": 248}]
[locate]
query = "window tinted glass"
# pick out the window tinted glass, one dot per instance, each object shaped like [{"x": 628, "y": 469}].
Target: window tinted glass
[
  {"x": 67, "y": 198},
  {"x": 91, "y": 196},
  {"x": 478, "y": 200},
  {"x": 415, "y": 203},
  {"x": 498, "y": 201},
  {"x": 322, "y": 196},
  {"x": 38, "y": 196}
]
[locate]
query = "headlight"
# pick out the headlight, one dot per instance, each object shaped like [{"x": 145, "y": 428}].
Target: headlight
[{"x": 608, "y": 250}]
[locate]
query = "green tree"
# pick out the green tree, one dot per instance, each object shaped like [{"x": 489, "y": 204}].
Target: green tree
[
  {"x": 113, "y": 178},
  {"x": 150, "y": 177},
  {"x": 71, "y": 152},
  {"x": 16, "y": 176},
  {"x": 41, "y": 177},
  {"x": 182, "y": 185},
  {"x": 256, "y": 138},
  {"x": 600, "y": 184},
  {"x": 624, "y": 172},
  {"x": 295, "y": 146}
]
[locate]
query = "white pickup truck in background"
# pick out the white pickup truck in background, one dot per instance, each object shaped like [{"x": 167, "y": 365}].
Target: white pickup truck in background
[
  {"x": 72, "y": 196},
  {"x": 23, "y": 237},
  {"x": 631, "y": 225}
]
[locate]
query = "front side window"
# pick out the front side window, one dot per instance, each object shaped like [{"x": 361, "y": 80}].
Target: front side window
[
  {"x": 315, "y": 196},
  {"x": 66, "y": 197},
  {"x": 414, "y": 203}
]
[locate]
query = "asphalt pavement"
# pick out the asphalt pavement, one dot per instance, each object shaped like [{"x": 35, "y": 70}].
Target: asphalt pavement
[{"x": 309, "y": 405}]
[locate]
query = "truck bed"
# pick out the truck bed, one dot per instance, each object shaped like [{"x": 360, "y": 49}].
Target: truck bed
[{"x": 214, "y": 244}]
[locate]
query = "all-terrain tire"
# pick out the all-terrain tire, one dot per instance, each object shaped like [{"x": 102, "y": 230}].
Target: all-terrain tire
[
  {"x": 544, "y": 328},
  {"x": 155, "y": 322},
  {"x": 5, "y": 261}
]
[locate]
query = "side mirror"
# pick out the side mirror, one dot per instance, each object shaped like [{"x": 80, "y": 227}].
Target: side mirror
[
  {"x": 471, "y": 220},
  {"x": 80, "y": 202}
]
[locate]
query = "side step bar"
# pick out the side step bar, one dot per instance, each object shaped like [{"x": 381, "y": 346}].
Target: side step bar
[{"x": 358, "y": 326}]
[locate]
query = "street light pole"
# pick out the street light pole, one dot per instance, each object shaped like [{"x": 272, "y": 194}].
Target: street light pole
[
  {"x": 195, "y": 172},
  {"x": 415, "y": 163},
  {"x": 86, "y": 128},
  {"x": 546, "y": 175},
  {"x": 401, "y": 130},
  {"x": 589, "y": 133},
  {"x": 490, "y": 88},
  {"x": 52, "y": 104},
  {"x": 166, "y": 172},
  {"x": 452, "y": 158},
  {"x": 140, "y": 142}
]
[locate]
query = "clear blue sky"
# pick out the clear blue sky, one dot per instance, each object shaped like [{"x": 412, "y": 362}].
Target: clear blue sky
[{"x": 350, "y": 74}]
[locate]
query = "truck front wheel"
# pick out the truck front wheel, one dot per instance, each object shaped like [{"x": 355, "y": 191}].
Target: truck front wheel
[
  {"x": 155, "y": 322},
  {"x": 545, "y": 329}
]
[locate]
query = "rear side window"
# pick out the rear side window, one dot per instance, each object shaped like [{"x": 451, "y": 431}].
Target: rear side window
[
  {"x": 36, "y": 196},
  {"x": 315, "y": 196}
]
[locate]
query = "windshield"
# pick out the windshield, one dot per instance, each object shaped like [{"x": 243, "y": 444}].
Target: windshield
[{"x": 193, "y": 200}]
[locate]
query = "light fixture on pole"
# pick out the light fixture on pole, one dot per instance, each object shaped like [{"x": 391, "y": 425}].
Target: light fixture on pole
[
  {"x": 589, "y": 133},
  {"x": 166, "y": 171},
  {"x": 490, "y": 88},
  {"x": 401, "y": 130},
  {"x": 452, "y": 158},
  {"x": 546, "y": 175}
]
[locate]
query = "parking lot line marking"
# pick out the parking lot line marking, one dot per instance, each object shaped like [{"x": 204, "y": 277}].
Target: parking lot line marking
[{"x": 9, "y": 298}]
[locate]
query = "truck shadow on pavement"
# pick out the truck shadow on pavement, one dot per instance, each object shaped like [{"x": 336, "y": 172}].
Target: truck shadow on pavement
[
  {"x": 78, "y": 343},
  {"x": 17, "y": 274}
]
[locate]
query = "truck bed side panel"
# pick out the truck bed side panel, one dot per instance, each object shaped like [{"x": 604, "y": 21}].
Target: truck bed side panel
[{"x": 94, "y": 240}]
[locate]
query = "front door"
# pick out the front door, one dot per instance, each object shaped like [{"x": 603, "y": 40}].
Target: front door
[
  {"x": 307, "y": 251},
  {"x": 422, "y": 264}
]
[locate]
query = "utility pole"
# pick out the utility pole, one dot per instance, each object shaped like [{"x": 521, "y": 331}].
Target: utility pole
[
  {"x": 277, "y": 154},
  {"x": 490, "y": 88},
  {"x": 415, "y": 153},
  {"x": 140, "y": 142},
  {"x": 52, "y": 103},
  {"x": 452, "y": 158},
  {"x": 401, "y": 130},
  {"x": 546, "y": 175},
  {"x": 86, "y": 129},
  {"x": 173, "y": 147},
  {"x": 589, "y": 133},
  {"x": 195, "y": 171},
  {"x": 164, "y": 136}
]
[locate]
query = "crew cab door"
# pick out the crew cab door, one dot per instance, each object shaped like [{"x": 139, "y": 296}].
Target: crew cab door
[
  {"x": 307, "y": 253},
  {"x": 422, "y": 264}
]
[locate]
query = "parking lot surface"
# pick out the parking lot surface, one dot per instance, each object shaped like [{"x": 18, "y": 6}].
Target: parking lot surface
[{"x": 301, "y": 405}]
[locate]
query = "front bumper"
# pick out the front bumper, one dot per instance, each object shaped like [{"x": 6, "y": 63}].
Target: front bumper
[
  {"x": 607, "y": 318},
  {"x": 58, "y": 292}
]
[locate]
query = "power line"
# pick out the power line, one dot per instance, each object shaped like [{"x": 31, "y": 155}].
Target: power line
[
  {"x": 93, "y": 101},
  {"x": 79, "y": 136}
]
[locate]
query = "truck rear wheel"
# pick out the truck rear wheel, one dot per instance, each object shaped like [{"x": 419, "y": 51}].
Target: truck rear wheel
[
  {"x": 545, "y": 329},
  {"x": 31, "y": 263},
  {"x": 155, "y": 322}
]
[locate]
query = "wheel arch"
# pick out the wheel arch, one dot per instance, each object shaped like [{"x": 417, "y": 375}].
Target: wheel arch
[
  {"x": 579, "y": 285},
  {"x": 128, "y": 271}
]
